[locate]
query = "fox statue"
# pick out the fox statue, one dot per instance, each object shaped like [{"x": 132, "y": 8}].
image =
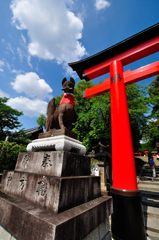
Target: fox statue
[{"x": 64, "y": 115}]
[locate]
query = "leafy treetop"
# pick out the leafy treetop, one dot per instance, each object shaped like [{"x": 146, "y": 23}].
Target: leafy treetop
[{"x": 8, "y": 118}]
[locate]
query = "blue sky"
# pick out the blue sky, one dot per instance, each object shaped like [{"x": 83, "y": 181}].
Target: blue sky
[{"x": 39, "y": 38}]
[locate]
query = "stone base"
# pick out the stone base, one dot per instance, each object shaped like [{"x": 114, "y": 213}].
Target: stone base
[
  {"x": 58, "y": 143},
  {"x": 25, "y": 221},
  {"x": 54, "y": 163},
  {"x": 100, "y": 233},
  {"x": 4, "y": 235},
  {"x": 57, "y": 132},
  {"x": 53, "y": 193}
]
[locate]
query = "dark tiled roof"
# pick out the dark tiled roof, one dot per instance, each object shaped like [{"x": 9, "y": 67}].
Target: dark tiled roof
[
  {"x": 116, "y": 49},
  {"x": 33, "y": 130}
]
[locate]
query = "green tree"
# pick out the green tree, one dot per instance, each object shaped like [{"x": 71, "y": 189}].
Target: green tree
[
  {"x": 92, "y": 123},
  {"x": 138, "y": 107},
  {"x": 93, "y": 115},
  {"x": 8, "y": 118},
  {"x": 19, "y": 137},
  {"x": 153, "y": 91},
  {"x": 41, "y": 120},
  {"x": 152, "y": 129},
  {"x": 152, "y": 134},
  {"x": 57, "y": 100},
  {"x": 8, "y": 154}
]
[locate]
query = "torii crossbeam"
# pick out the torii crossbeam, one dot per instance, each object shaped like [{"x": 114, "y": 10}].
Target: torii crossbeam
[
  {"x": 139, "y": 74},
  {"x": 127, "y": 219}
]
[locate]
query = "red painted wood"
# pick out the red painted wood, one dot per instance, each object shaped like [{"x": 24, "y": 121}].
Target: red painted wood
[
  {"x": 97, "y": 89},
  {"x": 126, "y": 57},
  {"x": 129, "y": 77},
  {"x": 123, "y": 164},
  {"x": 142, "y": 73},
  {"x": 100, "y": 88}
]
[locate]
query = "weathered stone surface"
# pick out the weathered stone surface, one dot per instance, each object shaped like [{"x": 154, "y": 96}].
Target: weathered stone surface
[
  {"x": 24, "y": 220},
  {"x": 57, "y": 143},
  {"x": 54, "y": 163},
  {"x": 17, "y": 218},
  {"x": 4, "y": 235},
  {"x": 54, "y": 193},
  {"x": 50, "y": 196},
  {"x": 101, "y": 232}
]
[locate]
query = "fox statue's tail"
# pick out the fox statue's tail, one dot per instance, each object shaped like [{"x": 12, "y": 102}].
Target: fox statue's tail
[{"x": 50, "y": 111}]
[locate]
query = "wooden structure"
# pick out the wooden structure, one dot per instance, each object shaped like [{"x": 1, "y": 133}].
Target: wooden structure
[{"x": 126, "y": 199}]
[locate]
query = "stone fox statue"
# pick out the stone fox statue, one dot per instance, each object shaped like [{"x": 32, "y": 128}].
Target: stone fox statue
[{"x": 64, "y": 115}]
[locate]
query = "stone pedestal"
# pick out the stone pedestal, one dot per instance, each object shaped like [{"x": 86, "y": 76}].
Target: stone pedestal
[
  {"x": 51, "y": 195},
  {"x": 57, "y": 143}
]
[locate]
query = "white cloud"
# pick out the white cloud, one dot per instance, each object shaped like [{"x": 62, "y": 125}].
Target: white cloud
[
  {"x": 2, "y": 64},
  {"x": 102, "y": 4},
  {"x": 20, "y": 54},
  {"x": 53, "y": 29},
  {"x": 16, "y": 71},
  {"x": 30, "y": 107},
  {"x": 10, "y": 48},
  {"x": 23, "y": 39},
  {"x": 32, "y": 85},
  {"x": 3, "y": 94}
]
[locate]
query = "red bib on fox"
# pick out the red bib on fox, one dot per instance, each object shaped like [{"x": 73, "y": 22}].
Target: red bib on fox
[{"x": 68, "y": 99}]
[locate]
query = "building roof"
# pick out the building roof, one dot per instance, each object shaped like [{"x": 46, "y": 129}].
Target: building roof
[
  {"x": 116, "y": 49},
  {"x": 33, "y": 130}
]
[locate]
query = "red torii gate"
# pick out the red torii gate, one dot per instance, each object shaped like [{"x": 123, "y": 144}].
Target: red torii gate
[{"x": 127, "y": 219}]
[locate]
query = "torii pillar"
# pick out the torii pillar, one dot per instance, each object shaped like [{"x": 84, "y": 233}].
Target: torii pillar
[{"x": 127, "y": 218}]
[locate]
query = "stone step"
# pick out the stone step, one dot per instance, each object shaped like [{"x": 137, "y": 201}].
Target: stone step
[
  {"x": 150, "y": 203},
  {"x": 25, "y": 221},
  {"x": 54, "y": 163},
  {"x": 148, "y": 188},
  {"x": 150, "y": 183},
  {"x": 53, "y": 193},
  {"x": 147, "y": 178},
  {"x": 152, "y": 186},
  {"x": 147, "y": 171},
  {"x": 150, "y": 234},
  {"x": 149, "y": 174},
  {"x": 151, "y": 220}
]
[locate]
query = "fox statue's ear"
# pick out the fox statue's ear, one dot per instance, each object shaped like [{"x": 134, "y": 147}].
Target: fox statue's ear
[
  {"x": 72, "y": 80},
  {"x": 64, "y": 80}
]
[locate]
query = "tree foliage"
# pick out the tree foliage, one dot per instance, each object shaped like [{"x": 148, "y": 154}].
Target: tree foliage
[
  {"x": 92, "y": 123},
  {"x": 137, "y": 103},
  {"x": 8, "y": 154},
  {"x": 8, "y": 118},
  {"x": 151, "y": 133},
  {"x": 93, "y": 115},
  {"x": 19, "y": 137},
  {"x": 41, "y": 120},
  {"x": 153, "y": 91}
]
